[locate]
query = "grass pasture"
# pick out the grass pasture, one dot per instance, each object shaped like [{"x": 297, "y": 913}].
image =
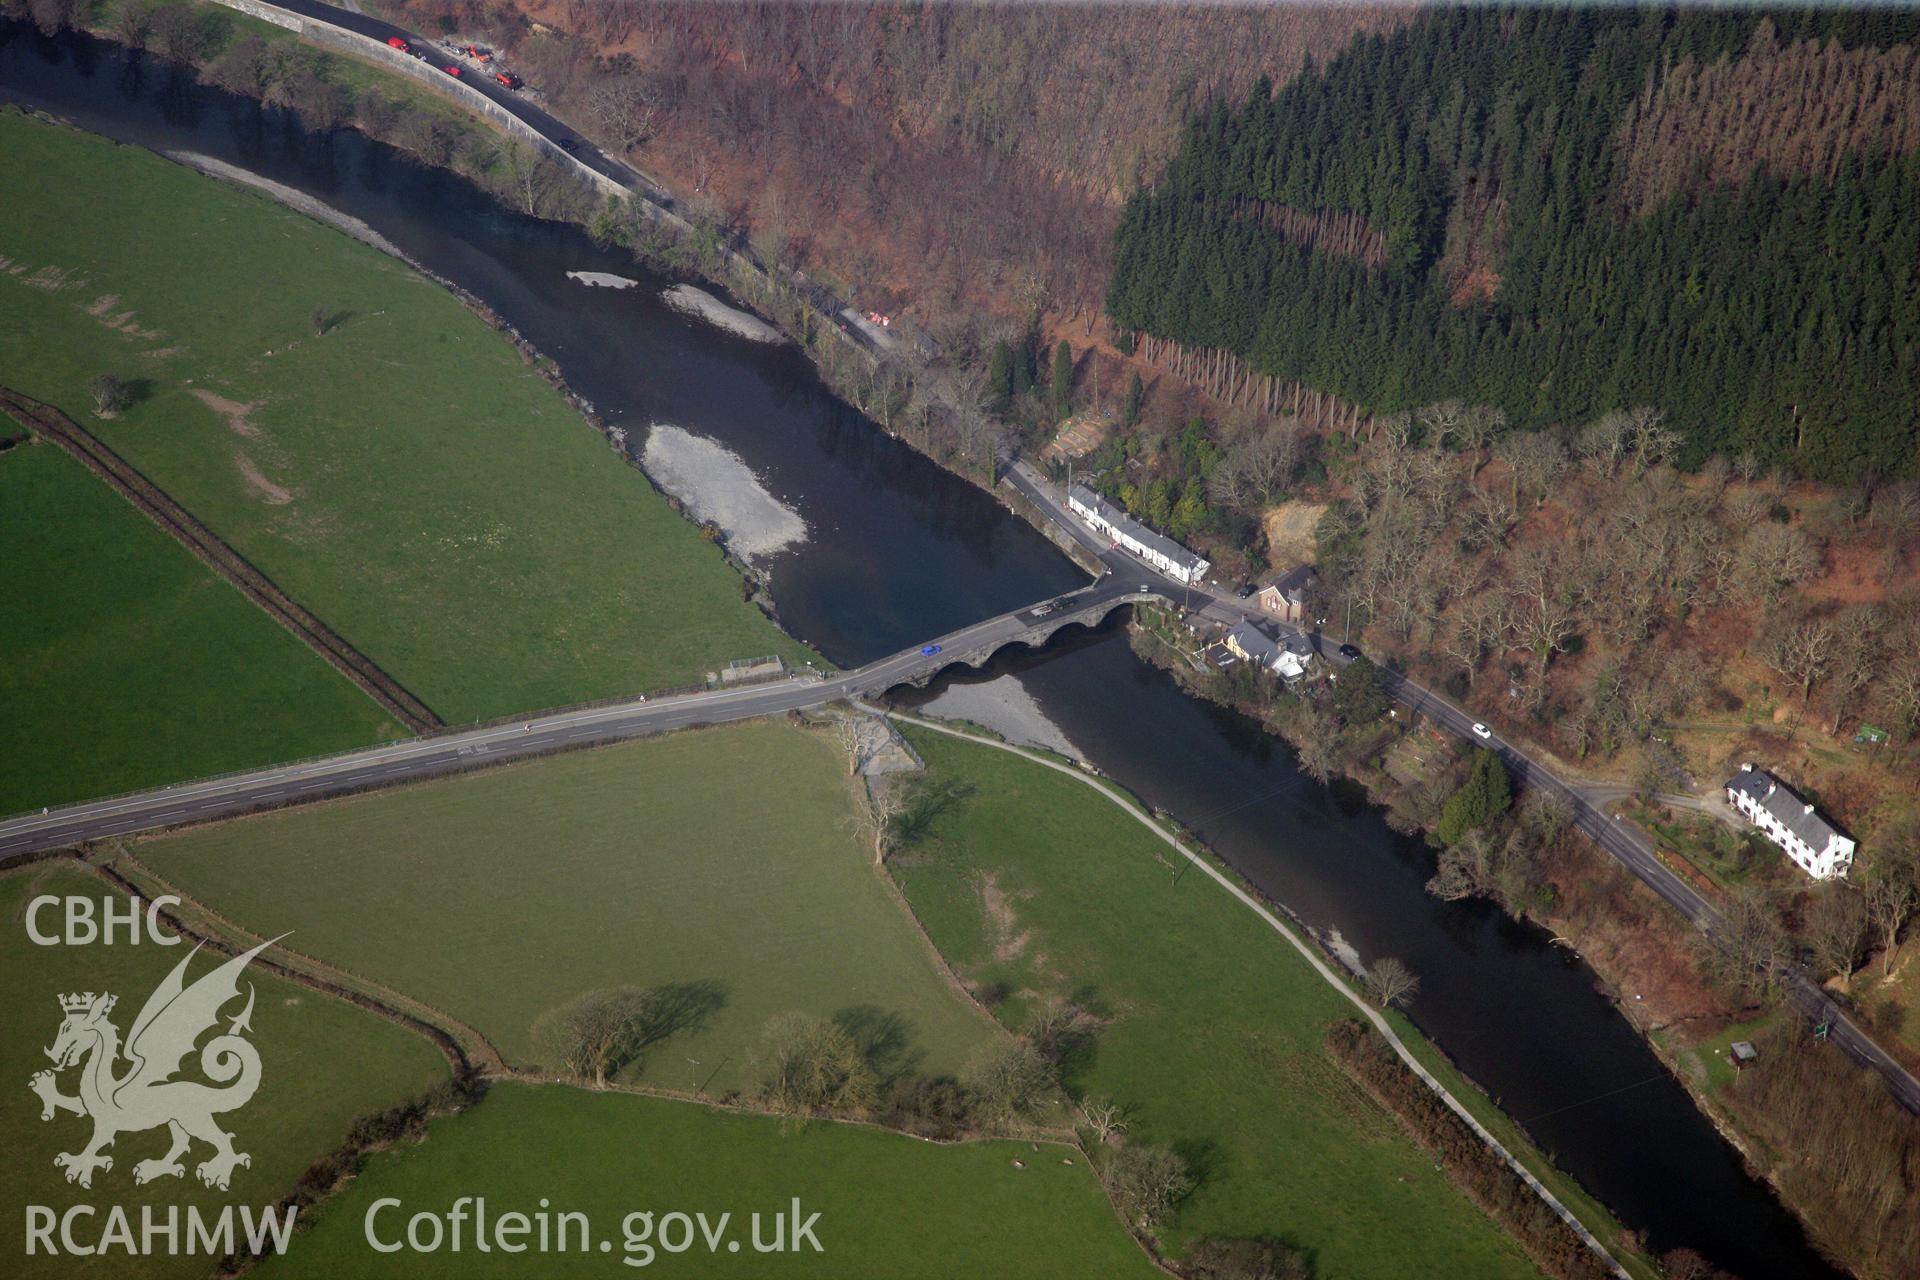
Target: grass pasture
[
  {"x": 129, "y": 663},
  {"x": 723, "y": 856},
  {"x": 323, "y": 1063},
  {"x": 1039, "y": 886},
  {"x": 891, "y": 1207},
  {"x": 405, "y": 476}
]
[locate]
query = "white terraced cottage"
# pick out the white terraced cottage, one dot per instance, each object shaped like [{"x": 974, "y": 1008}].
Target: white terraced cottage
[
  {"x": 1158, "y": 550},
  {"x": 1790, "y": 822}
]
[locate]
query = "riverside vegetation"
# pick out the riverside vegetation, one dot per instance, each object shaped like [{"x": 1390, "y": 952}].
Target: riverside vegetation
[{"x": 1857, "y": 1195}]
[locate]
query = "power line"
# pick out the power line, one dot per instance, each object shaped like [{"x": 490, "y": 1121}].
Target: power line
[{"x": 1598, "y": 1097}]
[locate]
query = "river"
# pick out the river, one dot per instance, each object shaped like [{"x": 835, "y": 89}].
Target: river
[{"x": 897, "y": 550}]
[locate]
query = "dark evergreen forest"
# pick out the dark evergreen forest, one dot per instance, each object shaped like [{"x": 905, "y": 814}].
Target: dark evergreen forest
[{"x": 1779, "y": 316}]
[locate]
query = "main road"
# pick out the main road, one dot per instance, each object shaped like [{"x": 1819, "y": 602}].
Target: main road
[
  {"x": 1124, "y": 579},
  {"x": 447, "y": 752},
  {"x": 1628, "y": 844},
  {"x": 577, "y": 147}
]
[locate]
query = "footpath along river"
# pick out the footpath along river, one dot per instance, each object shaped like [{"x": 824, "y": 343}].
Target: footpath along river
[{"x": 895, "y": 550}]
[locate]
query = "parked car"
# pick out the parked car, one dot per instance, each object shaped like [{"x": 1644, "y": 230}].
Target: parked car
[
  {"x": 1145, "y": 589},
  {"x": 400, "y": 44},
  {"x": 569, "y": 145},
  {"x": 930, "y": 650},
  {"x": 1245, "y": 589},
  {"x": 507, "y": 78},
  {"x": 452, "y": 70},
  {"x": 1481, "y": 731},
  {"x": 479, "y": 53},
  {"x": 1349, "y": 651}
]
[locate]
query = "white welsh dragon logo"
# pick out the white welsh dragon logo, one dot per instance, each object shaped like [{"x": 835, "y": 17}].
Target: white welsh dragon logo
[{"x": 146, "y": 1096}]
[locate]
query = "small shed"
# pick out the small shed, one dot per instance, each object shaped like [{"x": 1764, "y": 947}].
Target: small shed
[{"x": 1743, "y": 1053}]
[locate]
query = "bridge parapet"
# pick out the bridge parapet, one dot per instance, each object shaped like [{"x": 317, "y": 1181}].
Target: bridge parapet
[{"x": 1033, "y": 635}]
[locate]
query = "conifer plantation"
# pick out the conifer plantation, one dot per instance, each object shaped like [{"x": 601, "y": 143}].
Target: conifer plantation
[{"x": 1495, "y": 205}]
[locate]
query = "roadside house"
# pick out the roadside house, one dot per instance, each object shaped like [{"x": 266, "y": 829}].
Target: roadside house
[
  {"x": 1158, "y": 550},
  {"x": 1250, "y": 644},
  {"x": 1296, "y": 656},
  {"x": 1288, "y": 658},
  {"x": 1284, "y": 595},
  {"x": 1790, "y": 822}
]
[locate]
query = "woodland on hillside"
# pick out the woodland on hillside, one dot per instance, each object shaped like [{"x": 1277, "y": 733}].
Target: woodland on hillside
[
  {"x": 1493, "y": 150},
  {"x": 955, "y": 160}
]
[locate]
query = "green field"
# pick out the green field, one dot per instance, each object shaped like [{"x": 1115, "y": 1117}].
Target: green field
[
  {"x": 1215, "y": 1025},
  {"x": 323, "y": 1063},
  {"x": 128, "y": 663},
  {"x": 406, "y": 477},
  {"x": 891, "y": 1207},
  {"x": 723, "y": 856}
]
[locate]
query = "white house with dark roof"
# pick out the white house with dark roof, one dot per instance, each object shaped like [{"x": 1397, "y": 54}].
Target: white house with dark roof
[
  {"x": 1790, "y": 822},
  {"x": 1158, "y": 550}
]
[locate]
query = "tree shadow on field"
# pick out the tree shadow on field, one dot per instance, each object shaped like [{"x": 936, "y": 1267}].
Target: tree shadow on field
[
  {"x": 663, "y": 1012},
  {"x": 884, "y": 1039},
  {"x": 1205, "y": 1159},
  {"x": 928, "y": 801},
  {"x": 600, "y": 1034}
]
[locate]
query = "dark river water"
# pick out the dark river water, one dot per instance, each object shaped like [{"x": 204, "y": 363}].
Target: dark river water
[{"x": 898, "y": 551}]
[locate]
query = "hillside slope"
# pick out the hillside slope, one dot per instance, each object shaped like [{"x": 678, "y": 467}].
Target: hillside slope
[
  {"x": 1570, "y": 212},
  {"x": 938, "y": 156}
]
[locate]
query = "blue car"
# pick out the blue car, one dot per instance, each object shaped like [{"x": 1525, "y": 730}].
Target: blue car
[{"x": 930, "y": 650}]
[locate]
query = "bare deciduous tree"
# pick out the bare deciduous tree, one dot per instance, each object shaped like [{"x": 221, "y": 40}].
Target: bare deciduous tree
[
  {"x": 132, "y": 24},
  {"x": 1892, "y": 887},
  {"x": 1391, "y": 982},
  {"x": 1800, "y": 650},
  {"x": 1837, "y": 929},
  {"x": 110, "y": 395},
  {"x": 1265, "y": 464},
  {"x": 1396, "y": 430},
  {"x": 1147, "y": 1182},
  {"x": 1604, "y": 441},
  {"x": 1899, "y": 696},
  {"x": 627, "y": 107},
  {"x": 1774, "y": 557},
  {"x": 1750, "y": 951},
  {"x": 1536, "y": 460},
  {"x": 1856, "y": 660},
  {"x": 1319, "y": 743},
  {"x": 1652, "y": 442},
  {"x": 1105, "y": 1117},
  {"x": 814, "y": 1066},
  {"x": 1439, "y": 422},
  {"x": 1009, "y": 1081},
  {"x": 601, "y": 1032},
  {"x": 1542, "y": 618}
]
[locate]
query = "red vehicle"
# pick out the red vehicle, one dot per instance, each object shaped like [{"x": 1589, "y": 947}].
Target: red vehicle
[
  {"x": 451, "y": 70},
  {"x": 480, "y": 53},
  {"x": 507, "y": 78},
  {"x": 400, "y": 44}
]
